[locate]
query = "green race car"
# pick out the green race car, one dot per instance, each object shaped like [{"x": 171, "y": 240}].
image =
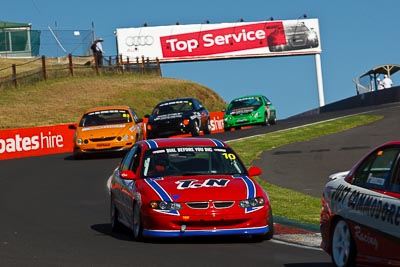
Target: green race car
[{"x": 249, "y": 110}]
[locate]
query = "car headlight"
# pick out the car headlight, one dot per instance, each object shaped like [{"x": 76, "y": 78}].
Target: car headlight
[
  {"x": 126, "y": 137},
  {"x": 79, "y": 141},
  {"x": 165, "y": 205},
  {"x": 255, "y": 114},
  {"x": 252, "y": 202},
  {"x": 312, "y": 36}
]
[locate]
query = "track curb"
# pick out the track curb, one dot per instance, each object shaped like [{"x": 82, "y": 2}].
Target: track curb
[{"x": 298, "y": 233}]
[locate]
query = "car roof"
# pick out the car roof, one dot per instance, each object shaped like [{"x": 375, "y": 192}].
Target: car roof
[
  {"x": 182, "y": 142},
  {"x": 389, "y": 143},
  {"x": 246, "y": 96},
  {"x": 107, "y": 108},
  {"x": 179, "y": 99}
]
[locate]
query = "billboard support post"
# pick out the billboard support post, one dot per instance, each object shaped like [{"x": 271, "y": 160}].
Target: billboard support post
[{"x": 319, "y": 80}]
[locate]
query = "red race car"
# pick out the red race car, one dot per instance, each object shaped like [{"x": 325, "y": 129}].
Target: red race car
[
  {"x": 179, "y": 187},
  {"x": 360, "y": 216}
]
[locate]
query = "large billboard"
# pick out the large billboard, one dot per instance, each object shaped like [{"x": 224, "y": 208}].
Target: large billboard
[{"x": 219, "y": 41}]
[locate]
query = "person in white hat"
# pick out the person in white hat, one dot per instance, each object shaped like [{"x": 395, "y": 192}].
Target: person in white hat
[
  {"x": 98, "y": 51},
  {"x": 387, "y": 82}
]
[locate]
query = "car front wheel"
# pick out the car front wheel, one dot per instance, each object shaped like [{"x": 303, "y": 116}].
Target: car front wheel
[
  {"x": 267, "y": 116},
  {"x": 207, "y": 129},
  {"x": 137, "y": 223},
  {"x": 272, "y": 121},
  {"x": 195, "y": 129},
  {"x": 343, "y": 247},
  {"x": 270, "y": 234},
  {"x": 115, "y": 224}
]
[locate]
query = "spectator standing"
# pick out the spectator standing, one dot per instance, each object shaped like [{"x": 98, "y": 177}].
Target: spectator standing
[
  {"x": 387, "y": 82},
  {"x": 380, "y": 84},
  {"x": 97, "y": 49}
]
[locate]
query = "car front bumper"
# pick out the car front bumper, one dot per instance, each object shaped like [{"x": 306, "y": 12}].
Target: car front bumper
[
  {"x": 160, "y": 225},
  {"x": 243, "y": 121}
]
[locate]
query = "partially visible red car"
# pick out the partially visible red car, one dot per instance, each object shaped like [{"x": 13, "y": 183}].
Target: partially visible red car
[
  {"x": 360, "y": 216},
  {"x": 179, "y": 187},
  {"x": 292, "y": 37}
]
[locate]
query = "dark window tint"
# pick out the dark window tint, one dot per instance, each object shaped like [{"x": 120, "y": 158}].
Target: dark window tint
[
  {"x": 375, "y": 172},
  {"x": 131, "y": 159}
]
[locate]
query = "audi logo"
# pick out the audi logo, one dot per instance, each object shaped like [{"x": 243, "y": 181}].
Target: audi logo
[{"x": 139, "y": 40}]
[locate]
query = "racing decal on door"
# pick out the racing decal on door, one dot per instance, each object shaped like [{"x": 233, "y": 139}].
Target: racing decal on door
[{"x": 367, "y": 207}]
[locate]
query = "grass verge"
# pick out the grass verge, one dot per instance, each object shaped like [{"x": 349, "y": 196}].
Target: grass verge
[
  {"x": 64, "y": 100},
  {"x": 288, "y": 203}
]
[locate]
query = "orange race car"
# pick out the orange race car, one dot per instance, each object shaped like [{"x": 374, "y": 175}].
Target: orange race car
[{"x": 106, "y": 129}]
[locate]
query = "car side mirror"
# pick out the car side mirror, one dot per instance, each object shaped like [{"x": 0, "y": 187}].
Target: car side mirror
[
  {"x": 127, "y": 175},
  {"x": 147, "y": 116},
  {"x": 254, "y": 171}
]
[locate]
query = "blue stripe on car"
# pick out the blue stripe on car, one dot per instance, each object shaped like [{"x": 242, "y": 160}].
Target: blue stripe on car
[
  {"x": 151, "y": 144},
  {"x": 177, "y": 233},
  {"x": 152, "y": 182},
  {"x": 218, "y": 143},
  {"x": 251, "y": 191}
]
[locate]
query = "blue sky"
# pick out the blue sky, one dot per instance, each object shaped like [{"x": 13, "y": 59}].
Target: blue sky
[{"x": 356, "y": 35}]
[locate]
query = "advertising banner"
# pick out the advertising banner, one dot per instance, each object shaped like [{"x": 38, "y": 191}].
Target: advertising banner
[
  {"x": 218, "y": 41},
  {"x": 217, "y": 121},
  {"x": 28, "y": 142},
  {"x": 45, "y": 140}
]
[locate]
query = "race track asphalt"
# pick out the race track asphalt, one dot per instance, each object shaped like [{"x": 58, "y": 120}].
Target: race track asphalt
[{"x": 57, "y": 209}]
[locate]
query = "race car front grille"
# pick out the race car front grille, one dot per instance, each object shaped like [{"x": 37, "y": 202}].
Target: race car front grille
[
  {"x": 223, "y": 204},
  {"x": 102, "y": 139},
  {"x": 198, "y": 205},
  {"x": 206, "y": 205}
]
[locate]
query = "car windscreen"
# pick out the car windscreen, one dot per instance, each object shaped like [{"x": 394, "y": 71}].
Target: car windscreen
[
  {"x": 296, "y": 28},
  {"x": 248, "y": 102},
  {"x": 104, "y": 117},
  {"x": 180, "y": 161},
  {"x": 173, "y": 107}
]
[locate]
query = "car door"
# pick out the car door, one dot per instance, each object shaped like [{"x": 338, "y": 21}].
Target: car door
[
  {"x": 372, "y": 203},
  {"x": 125, "y": 189}
]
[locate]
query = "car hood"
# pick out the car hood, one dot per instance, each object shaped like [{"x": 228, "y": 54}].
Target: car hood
[
  {"x": 170, "y": 116},
  {"x": 195, "y": 188},
  {"x": 104, "y": 130}
]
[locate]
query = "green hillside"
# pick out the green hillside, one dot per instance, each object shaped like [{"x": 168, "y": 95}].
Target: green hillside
[{"x": 64, "y": 100}]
